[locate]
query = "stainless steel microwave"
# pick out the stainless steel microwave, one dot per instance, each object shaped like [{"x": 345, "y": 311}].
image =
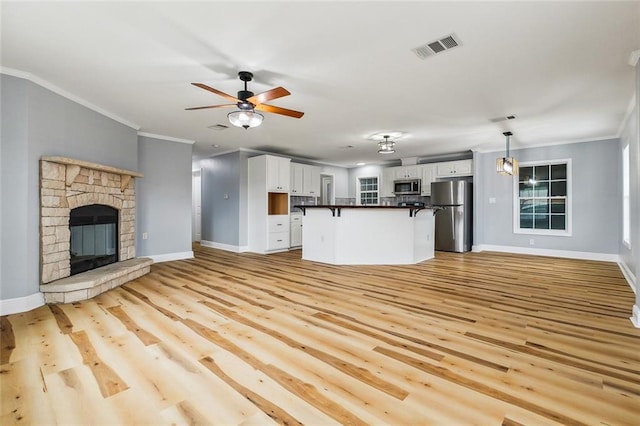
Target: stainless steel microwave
[{"x": 407, "y": 187}]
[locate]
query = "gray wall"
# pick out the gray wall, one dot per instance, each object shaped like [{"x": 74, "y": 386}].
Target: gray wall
[
  {"x": 14, "y": 183},
  {"x": 221, "y": 217},
  {"x": 340, "y": 181},
  {"x": 355, "y": 173},
  {"x": 596, "y": 198},
  {"x": 37, "y": 122},
  {"x": 163, "y": 197}
]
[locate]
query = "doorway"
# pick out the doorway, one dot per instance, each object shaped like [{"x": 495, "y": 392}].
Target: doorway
[
  {"x": 196, "y": 205},
  {"x": 327, "y": 192}
]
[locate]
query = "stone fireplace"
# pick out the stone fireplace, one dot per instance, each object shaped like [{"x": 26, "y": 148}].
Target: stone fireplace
[{"x": 67, "y": 184}]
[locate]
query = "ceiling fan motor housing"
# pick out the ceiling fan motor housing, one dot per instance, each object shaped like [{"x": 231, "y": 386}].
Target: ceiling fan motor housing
[{"x": 243, "y": 95}]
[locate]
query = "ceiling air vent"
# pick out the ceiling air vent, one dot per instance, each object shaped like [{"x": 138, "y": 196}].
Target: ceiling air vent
[
  {"x": 436, "y": 46},
  {"x": 218, "y": 127}
]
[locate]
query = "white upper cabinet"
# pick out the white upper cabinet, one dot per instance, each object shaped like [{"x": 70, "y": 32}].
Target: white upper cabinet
[
  {"x": 408, "y": 172},
  {"x": 428, "y": 176},
  {"x": 311, "y": 181},
  {"x": 454, "y": 168},
  {"x": 305, "y": 180},
  {"x": 296, "y": 179},
  {"x": 278, "y": 173},
  {"x": 388, "y": 176}
]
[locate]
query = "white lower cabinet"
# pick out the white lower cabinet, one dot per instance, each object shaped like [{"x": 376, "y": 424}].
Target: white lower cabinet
[
  {"x": 296, "y": 230},
  {"x": 278, "y": 240}
]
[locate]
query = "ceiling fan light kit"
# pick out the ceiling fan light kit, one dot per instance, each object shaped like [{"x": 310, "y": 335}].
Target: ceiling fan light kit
[
  {"x": 247, "y": 103},
  {"x": 245, "y": 119},
  {"x": 507, "y": 166}
]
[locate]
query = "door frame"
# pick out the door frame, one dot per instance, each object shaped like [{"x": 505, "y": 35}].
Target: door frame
[{"x": 332, "y": 199}]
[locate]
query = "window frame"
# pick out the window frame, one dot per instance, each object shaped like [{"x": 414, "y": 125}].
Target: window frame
[
  {"x": 567, "y": 232},
  {"x": 359, "y": 190},
  {"x": 626, "y": 199}
]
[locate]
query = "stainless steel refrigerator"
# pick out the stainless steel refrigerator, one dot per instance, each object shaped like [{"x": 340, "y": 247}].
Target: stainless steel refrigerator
[{"x": 452, "y": 202}]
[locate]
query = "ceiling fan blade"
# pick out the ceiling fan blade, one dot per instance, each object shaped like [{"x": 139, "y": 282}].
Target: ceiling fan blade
[
  {"x": 269, "y": 95},
  {"x": 279, "y": 110},
  {"x": 211, "y": 106},
  {"x": 217, "y": 92}
]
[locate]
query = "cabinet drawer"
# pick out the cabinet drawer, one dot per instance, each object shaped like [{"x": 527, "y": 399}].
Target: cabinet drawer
[
  {"x": 296, "y": 218},
  {"x": 278, "y": 240},
  {"x": 278, "y": 223}
]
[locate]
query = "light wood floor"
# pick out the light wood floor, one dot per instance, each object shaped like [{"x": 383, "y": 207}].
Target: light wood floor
[{"x": 475, "y": 338}]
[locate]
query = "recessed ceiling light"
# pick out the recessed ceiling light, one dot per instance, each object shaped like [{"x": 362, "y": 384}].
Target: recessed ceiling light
[
  {"x": 360, "y": 164},
  {"x": 215, "y": 145}
]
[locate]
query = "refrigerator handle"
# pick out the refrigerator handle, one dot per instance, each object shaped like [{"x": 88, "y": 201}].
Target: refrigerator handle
[
  {"x": 453, "y": 225},
  {"x": 436, "y": 209}
]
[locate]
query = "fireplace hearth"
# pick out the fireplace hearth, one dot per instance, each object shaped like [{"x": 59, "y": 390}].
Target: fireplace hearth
[{"x": 87, "y": 225}]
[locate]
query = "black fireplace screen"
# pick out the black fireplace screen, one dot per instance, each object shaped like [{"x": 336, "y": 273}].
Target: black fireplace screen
[{"x": 94, "y": 237}]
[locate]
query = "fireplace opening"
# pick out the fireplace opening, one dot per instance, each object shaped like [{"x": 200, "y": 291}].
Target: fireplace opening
[{"x": 94, "y": 237}]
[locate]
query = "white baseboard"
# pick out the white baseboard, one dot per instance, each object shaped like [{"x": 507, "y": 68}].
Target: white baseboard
[
  {"x": 226, "y": 247},
  {"x": 628, "y": 275},
  {"x": 569, "y": 254},
  {"x": 635, "y": 318},
  {"x": 21, "y": 304},
  {"x": 168, "y": 257}
]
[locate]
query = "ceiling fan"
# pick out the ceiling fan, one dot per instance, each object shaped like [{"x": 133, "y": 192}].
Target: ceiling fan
[{"x": 247, "y": 103}]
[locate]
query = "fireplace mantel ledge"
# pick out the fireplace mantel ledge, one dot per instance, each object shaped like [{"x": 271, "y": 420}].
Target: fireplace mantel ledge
[
  {"x": 72, "y": 172},
  {"x": 94, "y": 166}
]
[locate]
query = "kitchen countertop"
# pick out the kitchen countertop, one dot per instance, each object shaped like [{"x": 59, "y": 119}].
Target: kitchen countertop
[
  {"x": 336, "y": 208},
  {"x": 347, "y": 206}
]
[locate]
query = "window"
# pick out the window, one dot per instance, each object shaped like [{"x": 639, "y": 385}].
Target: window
[
  {"x": 368, "y": 190},
  {"x": 542, "y": 203},
  {"x": 625, "y": 197}
]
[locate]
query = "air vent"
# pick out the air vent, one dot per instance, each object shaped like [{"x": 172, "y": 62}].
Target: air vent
[
  {"x": 436, "y": 46},
  {"x": 218, "y": 127},
  {"x": 499, "y": 119}
]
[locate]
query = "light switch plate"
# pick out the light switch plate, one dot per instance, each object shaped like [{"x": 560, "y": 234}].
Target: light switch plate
[{"x": 492, "y": 200}]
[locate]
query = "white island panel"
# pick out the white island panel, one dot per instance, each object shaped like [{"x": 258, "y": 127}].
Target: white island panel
[{"x": 367, "y": 236}]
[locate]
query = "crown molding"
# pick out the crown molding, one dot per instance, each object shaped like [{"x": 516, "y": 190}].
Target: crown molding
[
  {"x": 166, "y": 138},
  {"x": 542, "y": 145},
  {"x": 57, "y": 90}
]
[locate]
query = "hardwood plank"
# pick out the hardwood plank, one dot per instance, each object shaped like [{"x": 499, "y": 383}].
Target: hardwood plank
[
  {"x": 108, "y": 381},
  {"x": 276, "y": 413},
  {"x": 142, "y": 334},
  {"x": 7, "y": 340},
  {"x": 241, "y": 338}
]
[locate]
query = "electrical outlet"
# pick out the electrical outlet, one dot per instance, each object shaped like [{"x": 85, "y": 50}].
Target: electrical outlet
[
  {"x": 226, "y": 196},
  {"x": 531, "y": 242},
  {"x": 492, "y": 200},
  {"x": 145, "y": 235}
]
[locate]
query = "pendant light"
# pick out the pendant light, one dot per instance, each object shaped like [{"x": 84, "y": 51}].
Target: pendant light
[
  {"x": 506, "y": 165},
  {"x": 386, "y": 146}
]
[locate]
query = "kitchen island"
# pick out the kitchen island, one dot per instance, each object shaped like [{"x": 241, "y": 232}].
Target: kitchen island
[{"x": 367, "y": 235}]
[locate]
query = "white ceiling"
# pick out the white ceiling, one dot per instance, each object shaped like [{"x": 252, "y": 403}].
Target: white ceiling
[{"x": 561, "y": 67}]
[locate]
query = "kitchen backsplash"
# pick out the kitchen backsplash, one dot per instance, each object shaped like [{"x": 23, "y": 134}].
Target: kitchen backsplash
[
  {"x": 394, "y": 201},
  {"x": 307, "y": 201}
]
